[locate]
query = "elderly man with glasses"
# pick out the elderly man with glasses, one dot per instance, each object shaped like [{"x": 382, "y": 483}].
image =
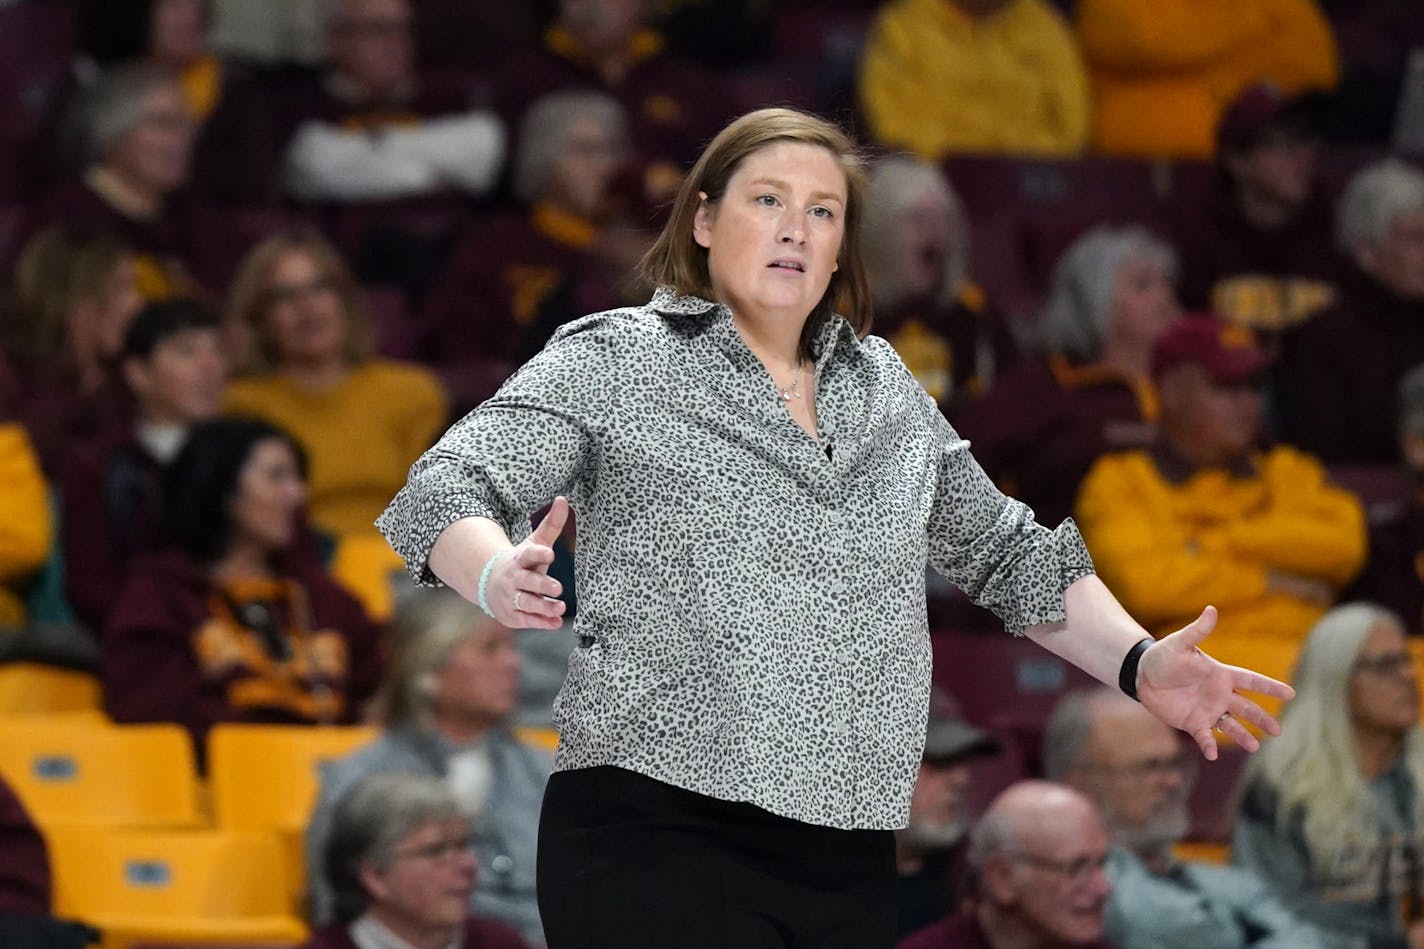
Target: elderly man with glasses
[
  {"x": 1140, "y": 777},
  {"x": 1036, "y": 861}
]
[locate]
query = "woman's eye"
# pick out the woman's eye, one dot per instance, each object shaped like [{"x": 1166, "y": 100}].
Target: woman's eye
[
  {"x": 767, "y": 200},
  {"x": 823, "y": 213}
]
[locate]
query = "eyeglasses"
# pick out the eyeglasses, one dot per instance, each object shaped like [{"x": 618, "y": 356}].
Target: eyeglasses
[
  {"x": 292, "y": 292},
  {"x": 441, "y": 851},
  {"x": 1076, "y": 871},
  {"x": 1386, "y": 664},
  {"x": 1182, "y": 764}
]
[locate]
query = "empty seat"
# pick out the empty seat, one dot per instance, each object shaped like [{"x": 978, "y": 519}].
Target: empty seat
[
  {"x": 173, "y": 886},
  {"x": 69, "y": 770}
]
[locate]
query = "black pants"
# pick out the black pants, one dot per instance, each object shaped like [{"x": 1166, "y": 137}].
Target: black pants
[{"x": 627, "y": 862}]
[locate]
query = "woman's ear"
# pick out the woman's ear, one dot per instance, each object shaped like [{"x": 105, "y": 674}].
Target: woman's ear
[
  {"x": 702, "y": 221},
  {"x": 373, "y": 881}
]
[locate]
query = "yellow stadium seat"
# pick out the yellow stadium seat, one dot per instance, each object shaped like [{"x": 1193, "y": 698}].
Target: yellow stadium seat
[
  {"x": 32, "y": 688},
  {"x": 69, "y": 771},
  {"x": 190, "y": 887},
  {"x": 266, "y": 777},
  {"x": 546, "y": 738}
]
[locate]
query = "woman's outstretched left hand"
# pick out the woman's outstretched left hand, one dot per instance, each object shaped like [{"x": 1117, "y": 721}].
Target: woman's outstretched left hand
[{"x": 1189, "y": 690}]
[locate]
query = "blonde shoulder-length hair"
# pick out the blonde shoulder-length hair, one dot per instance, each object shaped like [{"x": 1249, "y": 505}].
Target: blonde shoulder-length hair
[
  {"x": 676, "y": 260},
  {"x": 1312, "y": 766},
  {"x": 250, "y": 299}
]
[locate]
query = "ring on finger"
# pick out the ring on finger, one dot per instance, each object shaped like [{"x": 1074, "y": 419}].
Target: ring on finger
[
  {"x": 517, "y": 595},
  {"x": 1219, "y": 719}
]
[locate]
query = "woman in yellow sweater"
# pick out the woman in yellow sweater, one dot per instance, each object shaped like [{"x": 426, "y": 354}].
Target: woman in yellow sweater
[{"x": 307, "y": 354}]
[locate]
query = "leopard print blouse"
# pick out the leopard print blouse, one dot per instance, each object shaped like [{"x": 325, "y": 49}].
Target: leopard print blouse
[{"x": 751, "y": 600}]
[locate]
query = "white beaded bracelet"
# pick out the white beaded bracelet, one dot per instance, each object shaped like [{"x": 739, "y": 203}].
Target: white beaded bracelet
[{"x": 484, "y": 579}]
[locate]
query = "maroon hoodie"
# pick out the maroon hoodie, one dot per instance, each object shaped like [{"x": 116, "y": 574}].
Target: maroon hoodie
[{"x": 179, "y": 647}]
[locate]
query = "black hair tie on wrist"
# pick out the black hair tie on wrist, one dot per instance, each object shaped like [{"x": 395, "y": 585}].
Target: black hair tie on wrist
[{"x": 1127, "y": 675}]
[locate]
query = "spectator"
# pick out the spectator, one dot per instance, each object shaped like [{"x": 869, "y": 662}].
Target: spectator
[
  {"x": 1037, "y": 856},
  {"x": 487, "y": 313},
  {"x": 26, "y": 526},
  {"x": 1164, "y": 72},
  {"x": 1332, "y": 810},
  {"x": 372, "y": 128},
  {"x": 916, "y": 247},
  {"x": 133, "y": 139},
  {"x": 1140, "y": 776},
  {"x": 1206, "y": 514},
  {"x": 307, "y": 355},
  {"x": 929, "y": 851},
  {"x": 235, "y": 623},
  {"x": 72, "y": 296},
  {"x": 173, "y": 364},
  {"x": 402, "y": 867},
  {"x": 1391, "y": 576},
  {"x": 1257, "y": 248},
  {"x": 1042, "y": 425},
  {"x": 234, "y": 157},
  {"x": 1340, "y": 376},
  {"x": 996, "y": 76},
  {"x": 445, "y": 708},
  {"x": 674, "y": 107}
]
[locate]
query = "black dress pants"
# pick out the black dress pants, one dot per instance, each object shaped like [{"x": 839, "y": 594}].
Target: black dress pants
[{"x": 628, "y": 862}]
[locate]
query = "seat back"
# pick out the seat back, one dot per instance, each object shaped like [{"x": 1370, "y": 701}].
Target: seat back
[
  {"x": 33, "y": 688},
  {"x": 75, "y": 770},
  {"x": 166, "y": 886},
  {"x": 266, "y": 776}
]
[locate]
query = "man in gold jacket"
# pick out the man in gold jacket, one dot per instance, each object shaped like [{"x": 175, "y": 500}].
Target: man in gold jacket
[{"x": 1204, "y": 515}]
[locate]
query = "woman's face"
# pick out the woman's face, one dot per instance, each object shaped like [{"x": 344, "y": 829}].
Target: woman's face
[
  {"x": 305, "y": 317},
  {"x": 427, "y": 880},
  {"x": 480, "y": 679},
  {"x": 579, "y": 178},
  {"x": 774, "y": 236},
  {"x": 154, "y": 155},
  {"x": 1144, "y": 302},
  {"x": 1384, "y": 690},
  {"x": 177, "y": 32},
  {"x": 270, "y": 492}
]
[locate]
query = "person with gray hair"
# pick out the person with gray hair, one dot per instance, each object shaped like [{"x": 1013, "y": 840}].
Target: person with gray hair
[
  {"x": 372, "y": 128},
  {"x": 130, "y": 135},
  {"x": 916, "y": 248},
  {"x": 445, "y": 707},
  {"x": 1339, "y": 375},
  {"x": 1396, "y": 517},
  {"x": 1140, "y": 776},
  {"x": 502, "y": 293},
  {"x": 1089, "y": 391},
  {"x": 1333, "y": 811},
  {"x": 1037, "y": 858},
  {"x": 401, "y": 862}
]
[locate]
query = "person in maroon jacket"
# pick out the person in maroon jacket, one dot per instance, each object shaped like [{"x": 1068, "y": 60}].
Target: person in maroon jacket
[
  {"x": 173, "y": 363},
  {"x": 1041, "y": 426},
  {"x": 674, "y": 106},
  {"x": 236, "y": 621},
  {"x": 1338, "y": 376},
  {"x": 1259, "y": 250},
  {"x": 401, "y": 863},
  {"x": 1039, "y": 860},
  {"x": 490, "y": 310}
]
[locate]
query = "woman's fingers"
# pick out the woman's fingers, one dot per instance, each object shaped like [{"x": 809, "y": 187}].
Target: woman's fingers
[
  {"x": 1244, "y": 680},
  {"x": 1248, "y": 711}
]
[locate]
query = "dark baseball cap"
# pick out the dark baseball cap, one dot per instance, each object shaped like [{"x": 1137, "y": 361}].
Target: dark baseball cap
[
  {"x": 1229, "y": 353},
  {"x": 949, "y": 739}
]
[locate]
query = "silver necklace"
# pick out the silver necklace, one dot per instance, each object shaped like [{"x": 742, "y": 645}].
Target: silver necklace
[{"x": 792, "y": 391}]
